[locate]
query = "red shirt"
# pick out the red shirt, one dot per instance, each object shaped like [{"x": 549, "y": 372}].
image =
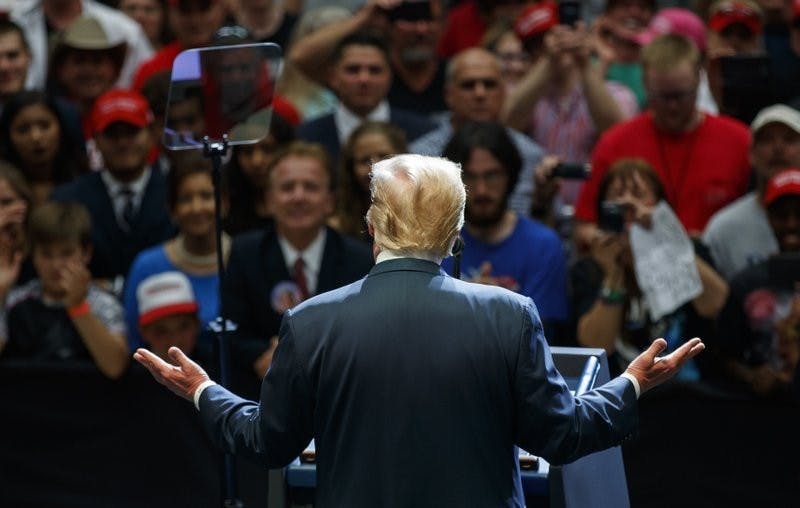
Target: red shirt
[
  {"x": 464, "y": 28},
  {"x": 702, "y": 170}
]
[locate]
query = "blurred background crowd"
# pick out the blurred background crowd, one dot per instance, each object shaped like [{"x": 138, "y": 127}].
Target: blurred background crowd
[{"x": 631, "y": 165}]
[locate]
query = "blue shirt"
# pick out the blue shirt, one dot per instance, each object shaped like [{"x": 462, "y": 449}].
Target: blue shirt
[
  {"x": 153, "y": 261},
  {"x": 531, "y": 262}
]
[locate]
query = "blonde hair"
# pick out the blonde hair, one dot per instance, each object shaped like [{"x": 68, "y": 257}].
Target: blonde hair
[
  {"x": 665, "y": 52},
  {"x": 417, "y": 204}
]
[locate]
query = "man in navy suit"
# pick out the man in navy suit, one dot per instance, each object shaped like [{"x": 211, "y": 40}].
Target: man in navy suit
[
  {"x": 264, "y": 278},
  {"x": 417, "y": 386},
  {"x": 361, "y": 77},
  {"x": 127, "y": 199}
]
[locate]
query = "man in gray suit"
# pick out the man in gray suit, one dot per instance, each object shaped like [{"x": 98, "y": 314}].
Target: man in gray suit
[{"x": 416, "y": 386}]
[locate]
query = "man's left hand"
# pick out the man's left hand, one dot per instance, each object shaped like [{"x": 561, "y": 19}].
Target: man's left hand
[
  {"x": 183, "y": 378},
  {"x": 651, "y": 370}
]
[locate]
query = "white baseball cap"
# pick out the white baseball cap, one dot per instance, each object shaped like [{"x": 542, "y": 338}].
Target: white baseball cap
[
  {"x": 163, "y": 295},
  {"x": 777, "y": 113}
]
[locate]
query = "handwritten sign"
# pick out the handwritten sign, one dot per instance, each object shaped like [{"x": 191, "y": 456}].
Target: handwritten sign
[{"x": 664, "y": 263}]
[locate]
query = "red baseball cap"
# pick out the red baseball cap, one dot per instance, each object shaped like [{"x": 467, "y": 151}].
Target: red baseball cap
[
  {"x": 120, "y": 105},
  {"x": 796, "y": 9},
  {"x": 785, "y": 183},
  {"x": 536, "y": 19},
  {"x": 728, "y": 12}
]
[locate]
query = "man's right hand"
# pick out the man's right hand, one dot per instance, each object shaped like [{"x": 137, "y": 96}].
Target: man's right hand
[{"x": 651, "y": 370}]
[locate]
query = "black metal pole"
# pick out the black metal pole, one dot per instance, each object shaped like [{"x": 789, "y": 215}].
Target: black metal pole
[{"x": 215, "y": 151}]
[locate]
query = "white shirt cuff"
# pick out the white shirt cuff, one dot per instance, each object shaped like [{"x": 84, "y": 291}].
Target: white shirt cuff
[
  {"x": 205, "y": 384},
  {"x": 634, "y": 381}
]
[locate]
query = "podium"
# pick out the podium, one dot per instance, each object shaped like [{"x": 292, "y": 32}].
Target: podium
[{"x": 594, "y": 481}]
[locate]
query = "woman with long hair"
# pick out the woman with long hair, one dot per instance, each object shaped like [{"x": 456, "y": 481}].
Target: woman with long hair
[
  {"x": 247, "y": 174},
  {"x": 193, "y": 251},
  {"x": 35, "y": 137},
  {"x": 369, "y": 143},
  {"x": 15, "y": 206}
]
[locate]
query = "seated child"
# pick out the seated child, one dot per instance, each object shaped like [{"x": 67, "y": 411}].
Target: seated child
[
  {"x": 168, "y": 315},
  {"x": 60, "y": 315}
]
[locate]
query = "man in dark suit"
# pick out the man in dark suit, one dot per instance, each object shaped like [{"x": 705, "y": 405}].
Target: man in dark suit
[
  {"x": 361, "y": 77},
  {"x": 416, "y": 386},
  {"x": 127, "y": 200},
  {"x": 264, "y": 278}
]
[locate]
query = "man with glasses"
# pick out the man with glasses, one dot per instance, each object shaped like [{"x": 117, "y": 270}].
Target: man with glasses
[
  {"x": 701, "y": 159},
  {"x": 501, "y": 247},
  {"x": 474, "y": 92}
]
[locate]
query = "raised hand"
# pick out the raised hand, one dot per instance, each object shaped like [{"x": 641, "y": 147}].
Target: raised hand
[
  {"x": 651, "y": 370},
  {"x": 13, "y": 213},
  {"x": 606, "y": 250},
  {"x": 182, "y": 378},
  {"x": 545, "y": 186},
  {"x": 75, "y": 278}
]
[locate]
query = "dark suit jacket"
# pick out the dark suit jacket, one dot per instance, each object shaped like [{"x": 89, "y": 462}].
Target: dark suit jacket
[
  {"x": 416, "y": 387},
  {"x": 323, "y": 130},
  {"x": 114, "y": 248},
  {"x": 256, "y": 265}
]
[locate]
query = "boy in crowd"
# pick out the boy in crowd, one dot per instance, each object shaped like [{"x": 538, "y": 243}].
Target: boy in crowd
[
  {"x": 168, "y": 315},
  {"x": 60, "y": 315}
]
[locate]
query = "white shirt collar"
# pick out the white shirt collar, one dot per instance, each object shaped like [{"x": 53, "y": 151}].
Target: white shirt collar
[
  {"x": 347, "y": 121},
  {"x": 312, "y": 257},
  {"x": 137, "y": 186},
  {"x": 386, "y": 255},
  {"x": 115, "y": 188}
]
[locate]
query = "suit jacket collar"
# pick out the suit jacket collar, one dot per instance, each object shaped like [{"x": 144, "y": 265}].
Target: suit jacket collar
[
  {"x": 406, "y": 265},
  {"x": 327, "y": 278}
]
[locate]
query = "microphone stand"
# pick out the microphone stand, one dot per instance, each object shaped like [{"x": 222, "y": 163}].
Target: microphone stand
[{"x": 216, "y": 151}]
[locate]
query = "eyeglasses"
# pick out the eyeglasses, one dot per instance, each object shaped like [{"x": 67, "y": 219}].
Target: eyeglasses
[
  {"x": 514, "y": 56},
  {"x": 493, "y": 178},
  {"x": 674, "y": 96},
  {"x": 470, "y": 84}
]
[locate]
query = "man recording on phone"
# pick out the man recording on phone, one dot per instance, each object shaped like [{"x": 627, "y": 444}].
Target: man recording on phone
[
  {"x": 563, "y": 103},
  {"x": 416, "y": 386}
]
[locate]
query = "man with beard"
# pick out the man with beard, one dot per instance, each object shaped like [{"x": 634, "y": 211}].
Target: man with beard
[
  {"x": 127, "y": 199},
  {"x": 739, "y": 235},
  {"x": 501, "y": 247},
  {"x": 760, "y": 323}
]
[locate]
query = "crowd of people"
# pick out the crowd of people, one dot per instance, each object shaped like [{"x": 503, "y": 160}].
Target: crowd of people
[{"x": 635, "y": 171}]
